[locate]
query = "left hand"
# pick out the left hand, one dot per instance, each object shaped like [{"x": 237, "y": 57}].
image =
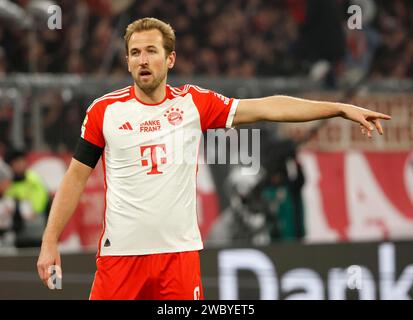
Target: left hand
[{"x": 366, "y": 118}]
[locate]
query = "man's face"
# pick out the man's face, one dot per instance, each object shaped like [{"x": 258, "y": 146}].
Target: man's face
[
  {"x": 19, "y": 166},
  {"x": 147, "y": 60}
]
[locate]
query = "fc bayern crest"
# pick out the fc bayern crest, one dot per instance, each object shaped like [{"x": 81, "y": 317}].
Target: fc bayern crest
[{"x": 175, "y": 116}]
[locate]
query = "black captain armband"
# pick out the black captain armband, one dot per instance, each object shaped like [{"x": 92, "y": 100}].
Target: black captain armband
[{"x": 87, "y": 153}]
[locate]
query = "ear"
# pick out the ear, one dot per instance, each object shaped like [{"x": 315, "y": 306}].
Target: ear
[{"x": 171, "y": 59}]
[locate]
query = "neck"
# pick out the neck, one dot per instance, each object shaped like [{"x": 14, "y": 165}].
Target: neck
[{"x": 154, "y": 97}]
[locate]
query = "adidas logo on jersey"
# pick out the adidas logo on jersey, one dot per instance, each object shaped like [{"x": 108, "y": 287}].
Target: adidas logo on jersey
[
  {"x": 107, "y": 243},
  {"x": 126, "y": 126}
]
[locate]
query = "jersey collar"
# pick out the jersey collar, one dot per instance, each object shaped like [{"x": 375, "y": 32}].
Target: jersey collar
[{"x": 168, "y": 95}]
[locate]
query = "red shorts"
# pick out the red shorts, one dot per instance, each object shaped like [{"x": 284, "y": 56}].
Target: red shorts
[{"x": 165, "y": 276}]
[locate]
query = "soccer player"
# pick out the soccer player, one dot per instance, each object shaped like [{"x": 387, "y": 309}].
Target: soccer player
[{"x": 149, "y": 247}]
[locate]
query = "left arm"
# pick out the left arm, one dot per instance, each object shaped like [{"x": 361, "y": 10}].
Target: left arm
[{"x": 289, "y": 109}]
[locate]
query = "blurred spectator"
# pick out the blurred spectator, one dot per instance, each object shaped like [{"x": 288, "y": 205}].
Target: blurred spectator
[
  {"x": 6, "y": 117},
  {"x": 394, "y": 56},
  {"x": 6, "y": 207},
  {"x": 361, "y": 45},
  {"x": 3, "y": 62},
  {"x": 321, "y": 37},
  {"x": 282, "y": 190},
  {"x": 29, "y": 199}
]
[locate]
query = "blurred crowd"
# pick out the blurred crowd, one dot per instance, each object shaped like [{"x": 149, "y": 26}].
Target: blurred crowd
[{"x": 241, "y": 38}]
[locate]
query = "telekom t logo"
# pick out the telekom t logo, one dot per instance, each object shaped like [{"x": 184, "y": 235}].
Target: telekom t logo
[{"x": 153, "y": 157}]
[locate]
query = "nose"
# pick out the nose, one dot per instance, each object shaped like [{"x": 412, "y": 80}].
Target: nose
[{"x": 143, "y": 58}]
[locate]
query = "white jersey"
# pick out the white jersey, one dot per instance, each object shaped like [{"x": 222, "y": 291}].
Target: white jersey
[{"x": 150, "y": 166}]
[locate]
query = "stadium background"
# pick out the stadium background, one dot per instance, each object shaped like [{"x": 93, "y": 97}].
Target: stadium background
[{"x": 354, "y": 196}]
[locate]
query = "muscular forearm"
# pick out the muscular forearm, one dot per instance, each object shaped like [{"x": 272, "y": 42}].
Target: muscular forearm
[
  {"x": 64, "y": 203},
  {"x": 290, "y": 109}
]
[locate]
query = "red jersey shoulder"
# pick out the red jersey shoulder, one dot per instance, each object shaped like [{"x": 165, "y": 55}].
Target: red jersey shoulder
[
  {"x": 92, "y": 127},
  {"x": 198, "y": 93},
  {"x": 188, "y": 88},
  {"x": 100, "y": 104}
]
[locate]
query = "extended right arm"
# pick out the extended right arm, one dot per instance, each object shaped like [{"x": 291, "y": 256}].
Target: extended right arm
[{"x": 64, "y": 204}]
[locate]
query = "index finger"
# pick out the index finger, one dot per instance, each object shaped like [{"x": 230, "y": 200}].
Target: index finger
[{"x": 378, "y": 115}]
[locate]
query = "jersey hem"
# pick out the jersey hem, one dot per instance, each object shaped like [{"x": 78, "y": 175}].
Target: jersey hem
[{"x": 149, "y": 251}]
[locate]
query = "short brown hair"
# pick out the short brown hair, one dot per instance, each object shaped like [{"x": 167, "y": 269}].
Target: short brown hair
[{"x": 146, "y": 24}]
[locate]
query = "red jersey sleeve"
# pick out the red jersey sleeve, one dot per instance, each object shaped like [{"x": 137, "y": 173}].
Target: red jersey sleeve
[
  {"x": 215, "y": 110},
  {"x": 92, "y": 127}
]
